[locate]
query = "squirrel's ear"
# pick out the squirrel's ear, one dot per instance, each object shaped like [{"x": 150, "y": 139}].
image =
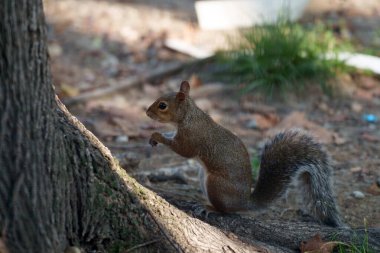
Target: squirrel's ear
[
  {"x": 185, "y": 87},
  {"x": 180, "y": 96}
]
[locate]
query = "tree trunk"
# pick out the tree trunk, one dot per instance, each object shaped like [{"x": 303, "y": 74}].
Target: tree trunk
[{"x": 59, "y": 186}]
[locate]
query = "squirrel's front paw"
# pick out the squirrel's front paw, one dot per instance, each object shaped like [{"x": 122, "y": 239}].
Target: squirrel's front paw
[{"x": 155, "y": 139}]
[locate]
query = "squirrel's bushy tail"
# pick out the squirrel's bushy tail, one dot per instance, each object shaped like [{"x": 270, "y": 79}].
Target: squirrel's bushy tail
[{"x": 293, "y": 155}]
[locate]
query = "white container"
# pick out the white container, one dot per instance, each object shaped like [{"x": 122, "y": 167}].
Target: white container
[{"x": 229, "y": 14}]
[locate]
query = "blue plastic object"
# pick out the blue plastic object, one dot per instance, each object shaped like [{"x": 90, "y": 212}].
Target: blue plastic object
[{"x": 370, "y": 118}]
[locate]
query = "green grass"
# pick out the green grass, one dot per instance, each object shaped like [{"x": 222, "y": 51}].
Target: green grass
[
  {"x": 281, "y": 57},
  {"x": 359, "y": 246},
  {"x": 255, "y": 166},
  {"x": 362, "y": 247}
]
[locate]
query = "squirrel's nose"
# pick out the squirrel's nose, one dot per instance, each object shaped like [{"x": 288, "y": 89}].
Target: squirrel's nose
[{"x": 148, "y": 113}]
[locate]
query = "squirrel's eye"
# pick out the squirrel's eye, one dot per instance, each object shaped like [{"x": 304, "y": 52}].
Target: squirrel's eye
[{"x": 162, "y": 105}]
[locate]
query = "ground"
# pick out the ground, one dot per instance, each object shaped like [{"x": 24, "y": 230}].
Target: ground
[{"x": 95, "y": 44}]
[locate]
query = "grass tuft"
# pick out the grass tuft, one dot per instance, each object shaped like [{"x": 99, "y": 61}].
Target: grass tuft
[
  {"x": 359, "y": 246},
  {"x": 282, "y": 57},
  {"x": 255, "y": 165}
]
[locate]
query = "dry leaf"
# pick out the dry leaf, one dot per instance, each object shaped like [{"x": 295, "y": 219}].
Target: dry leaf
[
  {"x": 140, "y": 57},
  {"x": 265, "y": 121},
  {"x": 376, "y": 92},
  {"x": 363, "y": 94},
  {"x": 374, "y": 189},
  {"x": 68, "y": 90},
  {"x": 105, "y": 129},
  {"x": 299, "y": 120},
  {"x": 367, "y": 82},
  {"x": 132, "y": 129},
  {"x": 3, "y": 248},
  {"x": 316, "y": 245},
  {"x": 356, "y": 169},
  {"x": 55, "y": 50},
  {"x": 195, "y": 81},
  {"x": 164, "y": 54},
  {"x": 325, "y": 108},
  {"x": 256, "y": 107},
  {"x": 370, "y": 138},
  {"x": 338, "y": 117},
  {"x": 356, "y": 107},
  {"x": 264, "y": 117},
  {"x": 338, "y": 140}
]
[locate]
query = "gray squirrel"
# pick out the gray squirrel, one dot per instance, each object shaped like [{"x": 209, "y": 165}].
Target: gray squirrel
[{"x": 227, "y": 177}]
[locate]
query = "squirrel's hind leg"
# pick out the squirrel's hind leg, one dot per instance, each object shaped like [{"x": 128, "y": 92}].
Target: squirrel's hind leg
[{"x": 226, "y": 196}]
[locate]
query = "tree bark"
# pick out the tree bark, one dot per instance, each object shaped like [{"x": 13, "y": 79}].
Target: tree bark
[{"x": 59, "y": 186}]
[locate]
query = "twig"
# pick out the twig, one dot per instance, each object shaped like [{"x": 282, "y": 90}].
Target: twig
[
  {"x": 128, "y": 83},
  {"x": 141, "y": 245},
  {"x": 160, "y": 71},
  {"x": 126, "y": 146}
]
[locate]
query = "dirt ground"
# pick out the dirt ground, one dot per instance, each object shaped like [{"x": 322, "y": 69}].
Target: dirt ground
[{"x": 95, "y": 44}]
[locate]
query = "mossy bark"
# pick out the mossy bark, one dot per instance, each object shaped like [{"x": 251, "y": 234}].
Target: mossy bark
[{"x": 58, "y": 184}]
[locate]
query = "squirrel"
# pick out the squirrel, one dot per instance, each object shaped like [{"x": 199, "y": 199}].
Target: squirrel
[{"x": 226, "y": 180}]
